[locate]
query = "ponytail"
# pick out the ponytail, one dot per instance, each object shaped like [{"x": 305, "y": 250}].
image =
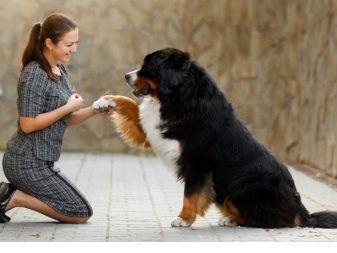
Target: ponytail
[
  {"x": 34, "y": 49},
  {"x": 33, "y": 46}
]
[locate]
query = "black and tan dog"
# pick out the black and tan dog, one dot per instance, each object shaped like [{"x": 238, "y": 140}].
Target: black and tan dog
[{"x": 189, "y": 123}]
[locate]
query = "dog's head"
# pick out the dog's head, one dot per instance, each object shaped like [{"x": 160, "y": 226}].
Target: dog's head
[
  {"x": 187, "y": 93},
  {"x": 161, "y": 73}
]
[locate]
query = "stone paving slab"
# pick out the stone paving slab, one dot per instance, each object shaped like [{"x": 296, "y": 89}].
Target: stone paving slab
[{"x": 134, "y": 200}]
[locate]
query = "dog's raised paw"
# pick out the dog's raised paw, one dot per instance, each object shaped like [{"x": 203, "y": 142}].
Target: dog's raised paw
[
  {"x": 179, "y": 222},
  {"x": 103, "y": 104}
]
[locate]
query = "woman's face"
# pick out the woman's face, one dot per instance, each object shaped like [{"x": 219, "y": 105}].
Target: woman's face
[{"x": 62, "y": 51}]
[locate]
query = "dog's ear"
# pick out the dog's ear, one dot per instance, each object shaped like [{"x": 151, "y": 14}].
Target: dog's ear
[
  {"x": 170, "y": 79},
  {"x": 179, "y": 60},
  {"x": 173, "y": 71}
]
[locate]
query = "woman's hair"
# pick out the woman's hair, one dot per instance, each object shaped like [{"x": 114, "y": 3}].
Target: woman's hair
[{"x": 54, "y": 27}]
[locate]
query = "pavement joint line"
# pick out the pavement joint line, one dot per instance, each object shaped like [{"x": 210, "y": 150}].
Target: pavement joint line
[{"x": 151, "y": 198}]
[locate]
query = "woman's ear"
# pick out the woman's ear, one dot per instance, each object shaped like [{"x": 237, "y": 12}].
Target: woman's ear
[{"x": 48, "y": 43}]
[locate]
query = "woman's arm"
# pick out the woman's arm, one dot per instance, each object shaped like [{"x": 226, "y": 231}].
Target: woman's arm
[
  {"x": 80, "y": 116},
  {"x": 43, "y": 120},
  {"x": 84, "y": 114}
]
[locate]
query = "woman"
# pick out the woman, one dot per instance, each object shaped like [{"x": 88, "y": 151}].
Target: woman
[{"x": 46, "y": 105}]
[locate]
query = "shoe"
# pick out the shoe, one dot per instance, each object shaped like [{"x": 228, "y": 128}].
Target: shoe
[
  {"x": 6, "y": 193},
  {"x": 3, "y": 217}
]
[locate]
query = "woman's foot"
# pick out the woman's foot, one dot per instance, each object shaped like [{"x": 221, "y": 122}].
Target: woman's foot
[
  {"x": 6, "y": 193},
  {"x": 4, "y": 218}
]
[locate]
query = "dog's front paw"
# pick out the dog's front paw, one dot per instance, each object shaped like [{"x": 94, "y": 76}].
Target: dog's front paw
[
  {"x": 104, "y": 103},
  {"x": 179, "y": 222},
  {"x": 225, "y": 221}
]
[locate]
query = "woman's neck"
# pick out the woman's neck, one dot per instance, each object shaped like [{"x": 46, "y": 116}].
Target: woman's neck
[{"x": 52, "y": 62}]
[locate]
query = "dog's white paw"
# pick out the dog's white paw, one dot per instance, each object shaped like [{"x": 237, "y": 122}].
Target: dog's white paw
[
  {"x": 225, "y": 221},
  {"x": 179, "y": 222},
  {"x": 103, "y": 104}
]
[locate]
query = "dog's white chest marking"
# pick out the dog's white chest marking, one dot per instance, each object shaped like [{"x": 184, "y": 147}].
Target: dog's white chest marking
[{"x": 166, "y": 149}]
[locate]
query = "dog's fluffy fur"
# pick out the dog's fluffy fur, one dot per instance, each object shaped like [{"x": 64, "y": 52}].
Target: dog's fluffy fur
[{"x": 189, "y": 123}]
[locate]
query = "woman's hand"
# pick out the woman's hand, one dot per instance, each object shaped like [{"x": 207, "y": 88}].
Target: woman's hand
[
  {"x": 107, "y": 112},
  {"x": 75, "y": 102}
]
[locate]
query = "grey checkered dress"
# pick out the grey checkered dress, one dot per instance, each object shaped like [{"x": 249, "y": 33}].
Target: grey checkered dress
[{"x": 28, "y": 162}]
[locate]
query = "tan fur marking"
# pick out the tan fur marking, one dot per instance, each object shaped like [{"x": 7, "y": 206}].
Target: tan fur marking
[
  {"x": 206, "y": 197},
  {"x": 126, "y": 119},
  {"x": 197, "y": 204},
  {"x": 231, "y": 212},
  {"x": 142, "y": 83},
  {"x": 189, "y": 210},
  {"x": 181, "y": 147},
  {"x": 297, "y": 220},
  {"x": 203, "y": 203}
]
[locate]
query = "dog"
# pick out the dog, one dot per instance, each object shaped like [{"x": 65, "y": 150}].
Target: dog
[{"x": 189, "y": 123}]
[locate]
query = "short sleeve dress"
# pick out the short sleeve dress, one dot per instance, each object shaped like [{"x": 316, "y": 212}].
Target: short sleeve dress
[{"x": 28, "y": 161}]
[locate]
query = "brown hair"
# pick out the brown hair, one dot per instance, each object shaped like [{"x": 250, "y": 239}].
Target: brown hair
[{"x": 54, "y": 27}]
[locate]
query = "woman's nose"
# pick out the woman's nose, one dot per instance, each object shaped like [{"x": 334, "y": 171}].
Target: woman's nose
[{"x": 74, "y": 48}]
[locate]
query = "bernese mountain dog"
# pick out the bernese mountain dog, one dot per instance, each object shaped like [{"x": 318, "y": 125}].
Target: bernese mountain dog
[{"x": 189, "y": 123}]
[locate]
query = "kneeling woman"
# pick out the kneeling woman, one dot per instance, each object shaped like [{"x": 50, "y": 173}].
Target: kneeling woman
[{"x": 46, "y": 105}]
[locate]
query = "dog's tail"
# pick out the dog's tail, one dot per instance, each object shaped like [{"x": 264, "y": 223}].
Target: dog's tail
[{"x": 325, "y": 219}]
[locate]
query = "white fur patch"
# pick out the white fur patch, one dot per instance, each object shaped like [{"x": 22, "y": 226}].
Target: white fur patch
[
  {"x": 224, "y": 221},
  {"x": 179, "y": 222},
  {"x": 166, "y": 150},
  {"x": 103, "y": 104}
]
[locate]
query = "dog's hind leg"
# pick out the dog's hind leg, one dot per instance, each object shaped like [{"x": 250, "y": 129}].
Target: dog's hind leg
[{"x": 231, "y": 216}]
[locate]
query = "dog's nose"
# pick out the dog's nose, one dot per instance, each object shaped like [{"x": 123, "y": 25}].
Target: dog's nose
[
  {"x": 127, "y": 77},
  {"x": 131, "y": 76}
]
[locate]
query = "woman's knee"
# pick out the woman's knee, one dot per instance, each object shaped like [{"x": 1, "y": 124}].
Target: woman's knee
[
  {"x": 81, "y": 220},
  {"x": 73, "y": 220}
]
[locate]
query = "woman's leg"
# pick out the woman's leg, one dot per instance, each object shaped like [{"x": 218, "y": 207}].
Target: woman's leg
[{"x": 21, "y": 199}]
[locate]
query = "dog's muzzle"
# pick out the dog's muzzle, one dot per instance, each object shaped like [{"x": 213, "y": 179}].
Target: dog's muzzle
[
  {"x": 130, "y": 78},
  {"x": 141, "y": 93}
]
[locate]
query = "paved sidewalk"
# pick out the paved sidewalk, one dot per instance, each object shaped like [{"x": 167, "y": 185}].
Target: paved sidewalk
[{"x": 135, "y": 198}]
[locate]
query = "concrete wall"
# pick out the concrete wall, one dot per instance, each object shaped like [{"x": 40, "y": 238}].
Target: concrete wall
[{"x": 274, "y": 59}]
